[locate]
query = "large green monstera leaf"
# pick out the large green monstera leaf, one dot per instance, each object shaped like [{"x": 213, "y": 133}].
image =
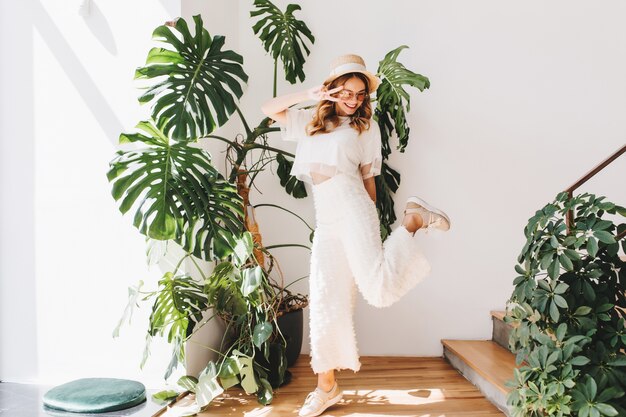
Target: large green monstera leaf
[
  {"x": 386, "y": 185},
  {"x": 196, "y": 84},
  {"x": 394, "y": 100},
  {"x": 292, "y": 185},
  {"x": 177, "y": 308},
  {"x": 283, "y": 36},
  {"x": 178, "y": 194}
]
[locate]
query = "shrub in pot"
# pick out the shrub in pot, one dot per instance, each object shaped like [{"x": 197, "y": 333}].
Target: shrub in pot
[{"x": 568, "y": 306}]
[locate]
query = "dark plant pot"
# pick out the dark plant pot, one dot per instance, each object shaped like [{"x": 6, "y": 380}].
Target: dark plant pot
[{"x": 291, "y": 326}]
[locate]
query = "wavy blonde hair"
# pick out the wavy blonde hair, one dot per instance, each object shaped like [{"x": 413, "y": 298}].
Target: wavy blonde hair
[{"x": 325, "y": 117}]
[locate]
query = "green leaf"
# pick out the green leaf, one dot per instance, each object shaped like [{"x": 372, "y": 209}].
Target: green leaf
[
  {"x": 566, "y": 262},
  {"x": 188, "y": 382},
  {"x": 265, "y": 392},
  {"x": 393, "y": 100},
  {"x": 262, "y": 332},
  {"x": 605, "y": 307},
  {"x": 248, "y": 382},
  {"x": 582, "y": 311},
  {"x": 561, "y": 288},
  {"x": 554, "y": 311},
  {"x": 561, "y": 331},
  {"x": 133, "y": 296},
  {"x": 592, "y": 246},
  {"x": 544, "y": 285},
  {"x": 208, "y": 387},
  {"x": 579, "y": 361},
  {"x": 195, "y": 85},
  {"x": 604, "y": 236},
  {"x": 178, "y": 195},
  {"x": 606, "y": 409},
  {"x": 554, "y": 269},
  {"x": 619, "y": 361},
  {"x": 554, "y": 242},
  {"x": 292, "y": 185},
  {"x": 230, "y": 367},
  {"x": 560, "y": 301},
  {"x": 179, "y": 304},
  {"x": 228, "y": 382},
  {"x": 162, "y": 397},
  {"x": 386, "y": 185},
  {"x": 252, "y": 278},
  {"x": 243, "y": 248},
  {"x": 283, "y": 37},
  {"x": 546, "y": 259},
  {"x": 602, "y": 225}
]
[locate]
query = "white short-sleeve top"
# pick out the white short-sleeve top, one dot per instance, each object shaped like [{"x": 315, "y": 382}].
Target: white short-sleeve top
[{"x": 343, "y": 150}]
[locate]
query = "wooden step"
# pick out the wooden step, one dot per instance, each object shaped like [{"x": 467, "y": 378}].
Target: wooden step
[{"x": 484, "y": 363}]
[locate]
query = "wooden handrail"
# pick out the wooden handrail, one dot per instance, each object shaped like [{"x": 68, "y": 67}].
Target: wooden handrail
[{"x": 587, "y": 177}]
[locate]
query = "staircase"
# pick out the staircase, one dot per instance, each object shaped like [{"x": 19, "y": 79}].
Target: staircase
[{"x": 488, "y": 364}]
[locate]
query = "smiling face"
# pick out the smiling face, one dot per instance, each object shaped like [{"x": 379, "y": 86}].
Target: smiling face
[{"x": 347, "y": 106}]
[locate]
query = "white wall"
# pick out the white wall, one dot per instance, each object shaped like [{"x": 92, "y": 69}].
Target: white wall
[
  {"x": 525, "y": 98},
  {"x": 67, "y": 254}
]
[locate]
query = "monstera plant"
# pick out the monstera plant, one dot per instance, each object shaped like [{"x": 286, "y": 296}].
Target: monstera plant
[{"x": 193, "y": 86}]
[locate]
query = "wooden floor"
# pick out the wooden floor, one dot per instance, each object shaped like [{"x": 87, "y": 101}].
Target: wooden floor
[{"x": 389, "y": 386}]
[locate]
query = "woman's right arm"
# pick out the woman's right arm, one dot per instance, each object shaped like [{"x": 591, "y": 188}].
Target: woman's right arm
[{"x": 276, "y": 108}]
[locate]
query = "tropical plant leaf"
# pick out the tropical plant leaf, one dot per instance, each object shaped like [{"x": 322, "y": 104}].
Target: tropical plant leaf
[
  {"x": 283, "y": 36},
  {"x": 208, "y": 386},
  {"x": 292, "y": 185},
  {"x": 223, "y": 289},
  {"x": 178, "y": 306},
  {"x": 386, "y": 185},
  {"x": 164, "y": 397},
  {"x": 133, "y": 297},
  {"x": 178, "y": 194},
  {"x": 393, "y": 101},
  {"x": 195, "y": 85},
  {"x": 188, "y": 382},
  {"x": 262, "y": 332}
]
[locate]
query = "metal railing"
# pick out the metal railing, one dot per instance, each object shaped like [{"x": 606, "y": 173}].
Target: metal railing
[{"x": 587, "y": 177}]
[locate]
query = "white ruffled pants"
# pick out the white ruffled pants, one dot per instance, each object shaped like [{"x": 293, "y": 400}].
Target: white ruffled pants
[{"x": 347, "y": 254}]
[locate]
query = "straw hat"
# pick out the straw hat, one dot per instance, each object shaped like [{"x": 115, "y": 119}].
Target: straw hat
[{"x": 351, "y": 63}]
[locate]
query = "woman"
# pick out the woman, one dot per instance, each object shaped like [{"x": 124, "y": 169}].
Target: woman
[{"x": 339, "y": 154}]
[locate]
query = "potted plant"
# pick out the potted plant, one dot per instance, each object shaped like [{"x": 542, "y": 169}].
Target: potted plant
[
  {"x": 178, "y": 196},
  {"x": 568, "y": 307}
]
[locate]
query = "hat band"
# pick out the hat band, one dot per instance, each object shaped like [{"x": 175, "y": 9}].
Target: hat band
[{"x": 349, "y": 67}]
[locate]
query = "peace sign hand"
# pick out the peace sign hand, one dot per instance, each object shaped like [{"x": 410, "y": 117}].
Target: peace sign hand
[{"x": 323, "y": 93}]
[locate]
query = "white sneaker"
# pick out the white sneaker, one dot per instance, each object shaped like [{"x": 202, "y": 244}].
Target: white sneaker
[
  {"x": 319, "y": 400},
  {"x": 433, "y": 217}
]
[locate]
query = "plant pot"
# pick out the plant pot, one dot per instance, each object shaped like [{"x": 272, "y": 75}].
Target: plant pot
[
  {"x": 201, "y": 347},
  {"x": 291, "y": 325}
]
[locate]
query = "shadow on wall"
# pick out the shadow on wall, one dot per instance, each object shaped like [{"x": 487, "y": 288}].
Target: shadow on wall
[
  {"x": 76, "y": 72},
  {"x": 98, "y": 25}
]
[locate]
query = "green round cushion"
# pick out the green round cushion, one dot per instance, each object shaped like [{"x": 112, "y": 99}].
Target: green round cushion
[{"x": 95, "y": 395}]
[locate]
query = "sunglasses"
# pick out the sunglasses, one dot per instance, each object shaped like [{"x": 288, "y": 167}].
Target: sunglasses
[{"x": 348, "y": 95}]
